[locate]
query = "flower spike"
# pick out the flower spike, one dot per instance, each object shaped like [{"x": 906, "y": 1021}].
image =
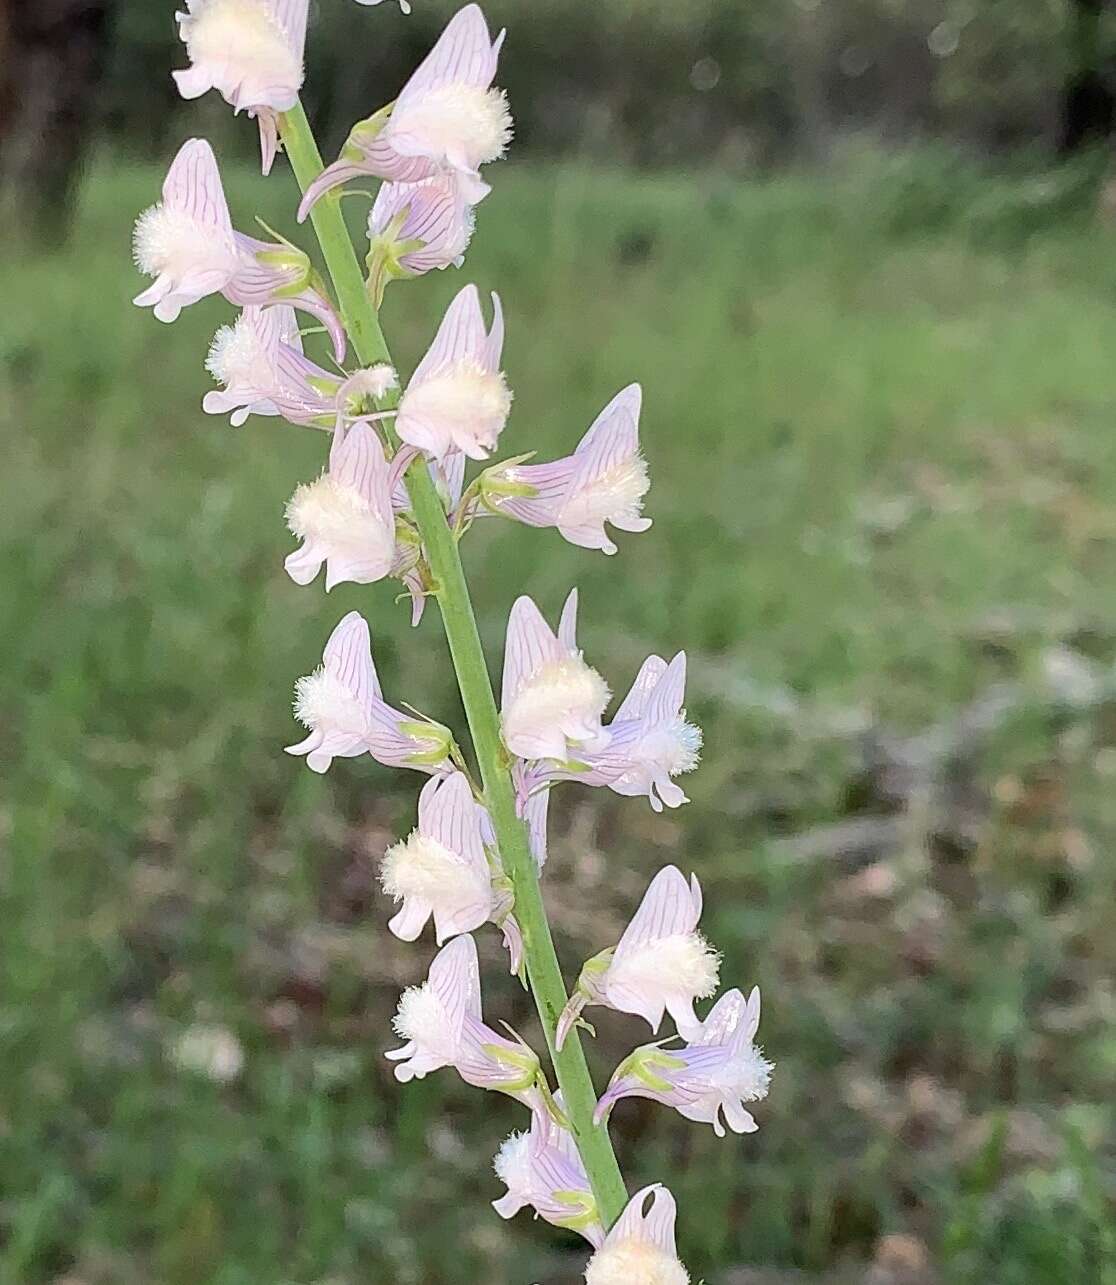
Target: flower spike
[
  {"x": 458, "y": 399},
  {"x": 715, "y": 1074},
  {"x": 661, "y": 963},
  {"x": 441, "y": 870},
  {"x": 447, "y": 119},
  {"x": 640, "y": 1249},
  {"x": 251, "y": 52}
]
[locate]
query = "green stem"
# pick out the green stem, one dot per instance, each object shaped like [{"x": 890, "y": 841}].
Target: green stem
[{"x": 456, "y": 606}]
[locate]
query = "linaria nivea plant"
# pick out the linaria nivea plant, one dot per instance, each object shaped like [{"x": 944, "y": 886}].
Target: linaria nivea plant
[{"x": 392, "y": 501}]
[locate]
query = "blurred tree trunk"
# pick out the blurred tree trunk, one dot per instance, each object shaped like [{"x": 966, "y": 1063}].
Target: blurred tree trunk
[
  {"x": 52, "y": 53},
  {"x": 809, "y": 41},
  {"x": 1088, "y": 102}
]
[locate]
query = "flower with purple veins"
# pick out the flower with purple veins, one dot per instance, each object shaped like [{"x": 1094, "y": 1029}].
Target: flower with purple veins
[
  {"x": 251, "y": 52},
  {"x": 414, "y": 228},
  {"x": 244, "y": 359},
  {"x": 442, "y": 1025},
  {"x": 604, "y": 480},
  {"x": 552, "y": 701},
  {"x": 188, "y": 244},
  {"x": 651, "y": 740},
  {"x": 458, "y": 399},
  {"x": 447, "y": 119},
  {"x": 661, "y": 963},
  {"x": 186, "y": 240},
  {"x": 715, "y": 1074},
  {"x": 543, "y": 1171},
  {"x": 640, "y": 1249},
  {"x": 441, "y": 869},
  {"x": 344, "y": 518},
  {"x": 342, "y": 705}
]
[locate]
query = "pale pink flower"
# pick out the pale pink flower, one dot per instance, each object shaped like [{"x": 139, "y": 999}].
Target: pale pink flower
[
  {"x": 442, "y": 1025},
  {"x": 716, "y": 1073},
  {"x": 543, "y": 1171},
  {"x": 661, "y": 963},
  {"x": 260, "y": 363},
  {"x": 651, "y": 740},
  {"x": 447, "y": 119},
  {"x": 342, "y": 705},
  {"x": 441, "y": 869},
  {"x": 604, "y": 480},
  {"x": 640, "y": 1249},
  {"x": 186, "y": 241},
  {"x": 251, "y": 52},
  {"x": 345, "y": 518},
  {"x": 415, "y": 228},
  {"x": 458, "y": 399},
  {"x": 188, "y": 244},
  {"x": 552, "y": 700}
]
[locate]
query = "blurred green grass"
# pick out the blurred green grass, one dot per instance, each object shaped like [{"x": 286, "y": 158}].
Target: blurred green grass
[{"x": 883, "y": 465}]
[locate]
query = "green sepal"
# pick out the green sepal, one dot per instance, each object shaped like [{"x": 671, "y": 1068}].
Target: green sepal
[{"x": 363, "y": 133}]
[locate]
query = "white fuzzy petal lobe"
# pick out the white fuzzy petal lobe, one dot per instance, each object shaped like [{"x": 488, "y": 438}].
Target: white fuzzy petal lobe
[
  {"x": 684, "y": 963},
  {"x": 747, "y": 1076},
  {"x": 324, "y": 703},
  {"x": 338, "y": 517},
  {"x": 247, "y": 55},
  {"x": 565, "y": 695},
  {"x": 173, "y": 243},
  {"x": 674, "y": 747},
  {"x": 632, "y": 1262},
  {"x": 237, "y": 356},
  {"x": 513, "y": 1162},
  {"x": 421, "y": 867},
  {"x": 465, "y": 402},
  {"x": 615, "y": 496},
  {"x": 422, "y": 1020},
  {"x": 464, "y": 124}
]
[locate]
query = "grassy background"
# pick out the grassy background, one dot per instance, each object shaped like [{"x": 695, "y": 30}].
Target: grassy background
[{"x": 879, "y": 419}]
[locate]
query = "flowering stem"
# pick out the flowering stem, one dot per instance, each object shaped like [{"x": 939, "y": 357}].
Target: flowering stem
[{"x": 455, "y": 604}]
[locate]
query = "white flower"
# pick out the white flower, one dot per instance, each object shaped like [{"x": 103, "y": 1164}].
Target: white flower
[
  {"x": 651, "y": 740},
  {"x": 661, "y": 963},
  {"x": 552, "y": 700},
  {"x": 441, "y": 1024},
  {"x": 640, "y": 1248},
  {"x": 542, "y": 1170},
  {"x": 342, "y": 705},
  {"x": 345, "y": 518},
  {"x": 251, "y": 52},
  {"x": 715, "y": 1074},
  {"x": 447, "y": 119},
  {"x": 604, "y": 480},
  {"x": 457, "y": 399},
  {"x": 441, "y": 869},
  {"x": 186, "y": 241}
]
